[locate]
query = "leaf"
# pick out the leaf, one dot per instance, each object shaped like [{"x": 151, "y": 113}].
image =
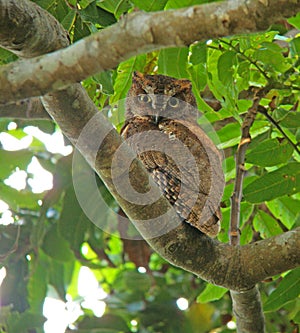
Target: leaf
[
  {"x": 225, "y": 67},
  {"x": 95, "y": 14},
  {"x": 198, "y": 77},
  {"x": 295, "y": 47},
  {"x": 270, "y": 54},
  {"x": 150, "y": 6},
  {"x": 199, "y": 53},
  {"x": 24, "y": 322},
  {"x": 173, "y": 62},
  {"x": 286, "y": 209},
  {"x": 60, "y": 275},
  {"x": 295, "y": 21},
  {"x": 136, "y": 281},
  {"x": 117, "y": 7},
  {"x": 14, "y": 159},
  {"x": 270, "y": 152},
  {"x": 288, "y": 290},
  {"x": 283, "y": 181},
  {"x": 266, "y": 225},
  {"x": 38, "y": 282},
  {"x": 55, "y": 246},
  {"x": 174, "y": 4},
  {"x": 73, "y": 222},
  {"x": 19, "y": 199},
  {"x": 105, "y": 79},
  {"x": 107, "y": 323},
  {"x": 124, "y": 77},
  {"x": 246, "y": 234},
  {"x": 229, "y": 135},
  {"x": 211, "y": 293},
  {"x": 291, "y": 120}
]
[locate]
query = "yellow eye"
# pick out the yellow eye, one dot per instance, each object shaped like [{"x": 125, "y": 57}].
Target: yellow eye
[
  {"x": 144, "y": 98},
  {"x": 173, "y": 102}
]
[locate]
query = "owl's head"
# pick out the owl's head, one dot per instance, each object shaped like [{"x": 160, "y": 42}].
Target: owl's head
[{"x": 160, "y": 96}]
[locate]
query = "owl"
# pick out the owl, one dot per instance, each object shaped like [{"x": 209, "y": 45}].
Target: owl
[{"x": 161, "y": 127}]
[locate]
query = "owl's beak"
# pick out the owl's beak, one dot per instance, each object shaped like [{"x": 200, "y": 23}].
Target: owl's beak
[
  {"x": 158, "y": 105},
  {"x": 156, "y": 118}
]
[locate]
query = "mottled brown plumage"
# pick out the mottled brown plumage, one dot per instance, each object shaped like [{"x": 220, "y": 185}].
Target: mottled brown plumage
[{"x": 161, "y": 127}]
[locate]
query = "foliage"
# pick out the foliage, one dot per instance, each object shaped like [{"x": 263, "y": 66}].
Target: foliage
[{"x": 50, "y": 238}]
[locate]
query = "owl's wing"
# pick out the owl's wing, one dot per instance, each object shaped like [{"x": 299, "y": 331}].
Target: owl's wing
[{"x": 185, "y": 165}]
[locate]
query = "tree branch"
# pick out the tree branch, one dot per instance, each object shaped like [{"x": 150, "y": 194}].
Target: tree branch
[
  {"x": 235, "y": 267},
  {"x": 240, "y": 162},
  {"x": 137, "y": 33},
  {"x": 246, "y": 302},
  {"x": 247, "y": 308},
  {"x": 25, "y": 109}
]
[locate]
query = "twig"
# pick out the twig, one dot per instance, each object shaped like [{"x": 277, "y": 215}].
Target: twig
[
  {"x": 243, "y": 55},
  {"x": 240, "y": 171},
  {"x": 263, "y": 111}
]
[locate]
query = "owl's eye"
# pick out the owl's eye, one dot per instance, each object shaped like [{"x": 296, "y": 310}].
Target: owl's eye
[
  {"x": 173, "y": 102},
  {"x": 144, "y": 98}
]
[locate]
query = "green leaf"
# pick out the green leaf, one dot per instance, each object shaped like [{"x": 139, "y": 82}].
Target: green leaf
[
  {"x": 266, "y": 225},
  {"x": 55, "y": 246},
  {"x": 270, "y": 54},
  {"x": 286, "y": 209},
  {"x": 283, "y": 181},
  {"x": 291, "y": 120},
  {"x": 136, "y": 281},
  {"x": 124, "y": 77},
  {"x": 19, "y": 199},
  {"x": 95, "y": 14},
  {"x": 211, "y": 293},
  {"x": 38, "y": 282},
  {"x": 199, "y": 53},
  {"x": 225, "y": 67},
  {"x": 295, "y": 21},
  {"x": 117, "y": 7},
  {"x": 150, "y": 6},
  {"x": 73, "y": 222},
  {"x": 107, "y": 323},
  {"x": 246, "y": 234},
  {"x": 288, "y": 290},
  {"x": 198, "y": 77},
  {"x": 105, "y": 79},
  {"x": 69, "y": 20},
  {"x": 270, "y": 152},
  {"x": 174, "y": 4},
  {"x": 60, "y": 275},
  {"x": 24, "y": 322},
  {"x": 295, "y": 47},
  {"x": 81, "y": 29},
  {"x": 229, "y": 135},
  {"x": 173, "y": 62},
  {"x": 14, "y": 159}
]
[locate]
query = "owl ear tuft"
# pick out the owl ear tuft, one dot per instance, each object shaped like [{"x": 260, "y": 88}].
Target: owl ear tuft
[
  {"x": 186, "y": 85},
  {"x": 137, "y": 76}
]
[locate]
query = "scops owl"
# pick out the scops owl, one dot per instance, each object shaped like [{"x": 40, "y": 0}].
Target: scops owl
[{"x": 161, "y": 127}]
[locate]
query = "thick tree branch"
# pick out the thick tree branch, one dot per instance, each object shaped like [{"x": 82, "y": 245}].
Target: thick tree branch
[
  {"x": 237, "y": 268},
  {"x": 26, "y": 29},
  {"x": 137, "y": 33},
  {"x": 245, "y": 302},
  {"x": 31, "y": 108},
  {"x": 247, "y": 308}
]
